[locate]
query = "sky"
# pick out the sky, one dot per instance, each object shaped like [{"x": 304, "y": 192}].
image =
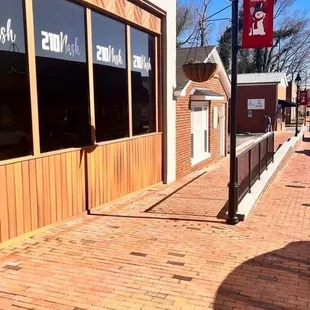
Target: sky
[{"x": 217, "y": 5}]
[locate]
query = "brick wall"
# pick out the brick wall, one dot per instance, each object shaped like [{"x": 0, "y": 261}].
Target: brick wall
[{"x": 183, "y": 129}]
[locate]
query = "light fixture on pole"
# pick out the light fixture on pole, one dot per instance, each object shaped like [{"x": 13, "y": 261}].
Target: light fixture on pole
[{"x": 297, "y": 82}]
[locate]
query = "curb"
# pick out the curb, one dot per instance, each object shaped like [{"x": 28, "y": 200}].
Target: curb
[{"x": 280, "y": 159}]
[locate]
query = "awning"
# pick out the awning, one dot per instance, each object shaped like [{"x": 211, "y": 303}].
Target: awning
[
  {"x": 286, "y": 104},
  {"x": 203, "y": 94}
]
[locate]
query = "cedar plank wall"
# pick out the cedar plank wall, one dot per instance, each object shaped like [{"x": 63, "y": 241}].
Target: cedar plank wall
[
  {"x": 183, "y": 131},
  {"x": 39, "y": 191},
  {"x": 129, "y": 12}
]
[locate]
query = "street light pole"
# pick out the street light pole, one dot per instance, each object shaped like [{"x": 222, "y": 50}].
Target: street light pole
[
  {"x": 296, "y": 128},
  {"x": 233, "y": 182},
  {"x": 297, "y": 81}
]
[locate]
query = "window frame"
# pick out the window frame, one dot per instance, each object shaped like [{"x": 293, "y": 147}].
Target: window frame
[{"x": 29, "y": 32}]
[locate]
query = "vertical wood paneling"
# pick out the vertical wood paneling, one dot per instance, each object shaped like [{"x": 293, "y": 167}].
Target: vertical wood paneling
[
  {"x": 33, "y": 195},
  {"x": 52, "y": 183},
  {"x": 40, "y": 191},
  {"x": 46, "y": 207},
  {"x": 26, "y": 196},
  {"x": 4, "y": 212},
  {"x": 11, "y": 204},
  {"x": 64, "y": 186},
  {"x": 127, "y": 166},
  {"x": 40, "y": 194},
  {"x": 58, "y": 188},
  {"x": 74, "y": 183},
  {"x": 18, "y": 183}
]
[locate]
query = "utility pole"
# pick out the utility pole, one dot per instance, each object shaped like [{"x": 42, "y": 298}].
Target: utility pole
[{"x": 233, "y": 182}]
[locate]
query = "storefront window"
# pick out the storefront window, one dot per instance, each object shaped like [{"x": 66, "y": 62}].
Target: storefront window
[
  {"x": 15, "y": 110},
  {"x": 62, "y": 74},
  {"x": 143, "y": 82},
  {"x": 110, "y": 78}
]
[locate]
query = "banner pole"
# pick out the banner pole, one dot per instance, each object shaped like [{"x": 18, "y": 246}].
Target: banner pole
[{"x": 233, "y": 182}]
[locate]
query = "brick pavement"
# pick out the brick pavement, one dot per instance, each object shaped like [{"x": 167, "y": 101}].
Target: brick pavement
[{"x": 130, "y": 259}]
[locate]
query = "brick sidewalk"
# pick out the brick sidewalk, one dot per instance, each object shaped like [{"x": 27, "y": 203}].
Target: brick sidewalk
[{"x": 130, "y": 259}]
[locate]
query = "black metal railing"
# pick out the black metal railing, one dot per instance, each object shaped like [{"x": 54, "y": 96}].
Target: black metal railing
[{"x": 252, "y": 162}]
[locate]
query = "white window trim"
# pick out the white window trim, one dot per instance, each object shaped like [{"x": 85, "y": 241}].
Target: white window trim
[{"x": 204, "y": 156}]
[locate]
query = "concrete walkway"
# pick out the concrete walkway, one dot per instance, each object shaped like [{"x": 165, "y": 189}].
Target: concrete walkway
[{"x": 143, "y": 254}]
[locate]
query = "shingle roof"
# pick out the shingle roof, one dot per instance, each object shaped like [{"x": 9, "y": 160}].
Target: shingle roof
[
  {"x": 182, "y": 53},
  {"x": 206, "y": 92},
  {"x": 260, "y": 78}
]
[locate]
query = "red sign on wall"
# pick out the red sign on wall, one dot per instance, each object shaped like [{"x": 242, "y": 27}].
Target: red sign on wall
[
  {"x": 302, "y": 97},
  {"x": 257, "y": 23}
]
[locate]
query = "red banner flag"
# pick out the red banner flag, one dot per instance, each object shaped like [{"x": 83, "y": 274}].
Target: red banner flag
[
  {"x": 302, "y": 97},
  {"x": 257, "y": 23}
]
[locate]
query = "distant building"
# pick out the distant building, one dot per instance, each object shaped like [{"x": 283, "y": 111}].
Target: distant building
[{"x": 261, "y": 95}]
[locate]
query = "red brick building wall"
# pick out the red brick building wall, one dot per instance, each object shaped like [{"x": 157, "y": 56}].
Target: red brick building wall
[
  {"x": 183, "y": 130},
  {"x": 255, "y": 123}
]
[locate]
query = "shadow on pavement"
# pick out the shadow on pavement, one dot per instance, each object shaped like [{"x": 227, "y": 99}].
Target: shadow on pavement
[
  {"x": 305, "y": 152},
  {"x": 277, "y": 280},
  {"x": 182, "y": 219}
]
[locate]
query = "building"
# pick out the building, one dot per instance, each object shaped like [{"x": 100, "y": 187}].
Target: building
[
  {"x": 258, "y": 96},
  {"x": 201, "y": 114},
  {"x": 87, "y": 112}
]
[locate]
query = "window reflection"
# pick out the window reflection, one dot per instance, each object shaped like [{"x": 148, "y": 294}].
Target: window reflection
[
  {"x": 143, "y": 82},
  {"x": 62, "y": 75},
  {"x": 15, "y": 110},
  {"x": 110, "y": 78}
]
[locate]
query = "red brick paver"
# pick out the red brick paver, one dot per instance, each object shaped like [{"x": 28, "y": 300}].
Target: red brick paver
[{"x": 130, "y": 259}]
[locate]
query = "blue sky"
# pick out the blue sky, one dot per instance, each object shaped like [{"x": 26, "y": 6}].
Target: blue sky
[{"x": 217, "y": 5}]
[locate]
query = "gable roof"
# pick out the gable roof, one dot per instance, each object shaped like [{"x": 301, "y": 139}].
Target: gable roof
[
  {"x": 202, "y": 54},
  {"x": 262, "y": 78}
]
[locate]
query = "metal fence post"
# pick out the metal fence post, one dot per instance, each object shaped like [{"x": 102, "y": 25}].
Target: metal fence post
[
  {"x": 250, "y": 170},
  {"x": 267, "y": 152},
  {"x": 259, "y": 166},
  {"x": 272, "y": 147}
]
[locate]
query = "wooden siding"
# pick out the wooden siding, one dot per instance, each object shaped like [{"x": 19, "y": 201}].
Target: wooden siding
[
  {"x": 129, "y": 12},
  {"x": 40, "y": 191},
  {"x": 117, "y": 169}
]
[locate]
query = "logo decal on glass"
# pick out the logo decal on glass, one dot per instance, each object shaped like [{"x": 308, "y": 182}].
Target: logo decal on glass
[
  {"x": 59, "y": 43},
  {"x": 7, "y": 33},
  {"x": 141, "y": 63},
  {"x": 107, "y": 54}
]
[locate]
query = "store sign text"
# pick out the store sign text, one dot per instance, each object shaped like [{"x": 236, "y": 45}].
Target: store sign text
[
  {"x": 107, "y": 54},
  {"x": 7, "y": 33},
  {"x": 58, "y": 43},
  {"x": 256, "y": 104},
  {"x": 140, "y": 62}
]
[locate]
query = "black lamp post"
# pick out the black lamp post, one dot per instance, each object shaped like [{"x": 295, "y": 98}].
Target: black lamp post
[
  {"x": 233, "y": 182},
  {"x": 297, "y": 82}
]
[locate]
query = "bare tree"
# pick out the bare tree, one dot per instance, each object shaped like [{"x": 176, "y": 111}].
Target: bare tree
[
  {"x": 291, "y": 49},
  {"x": 192, "y": 26}
]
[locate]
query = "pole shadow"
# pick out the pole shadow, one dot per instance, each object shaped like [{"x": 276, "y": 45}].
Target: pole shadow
[{"x": 277, "y": 280}]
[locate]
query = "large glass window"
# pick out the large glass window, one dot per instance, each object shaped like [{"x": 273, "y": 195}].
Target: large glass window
[
  {"x": 110, "y": 78},
  {"x": 143, "y": 82},
  {"x": 15, "y": 110},
  {"x": 62, "y": 74}
]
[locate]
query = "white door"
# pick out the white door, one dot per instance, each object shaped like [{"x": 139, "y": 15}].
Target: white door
[
  {"x": 199, "y": 134},
  {"x": 222, "y": 130}
]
